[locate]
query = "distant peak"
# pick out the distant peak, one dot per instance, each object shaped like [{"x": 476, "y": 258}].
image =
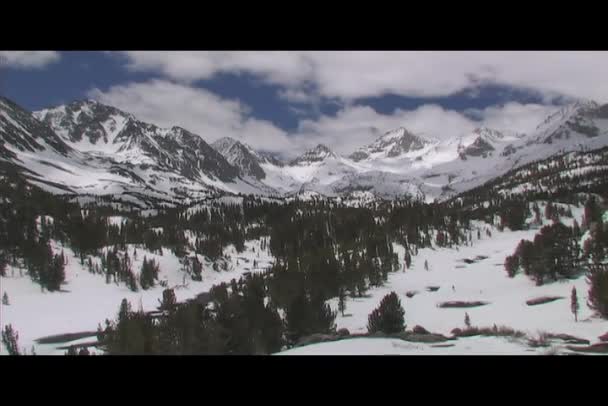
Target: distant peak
[
  {"x": 396, "y": 133},
  {"x": 393, "y": 143},
  {"x": 321, "y": 148},
  {"x": 586, "y": 103},
  {"x": 317, "y": 154},
  {"x": 224, "y": 141},
  {"x": 488, "y": 132}
]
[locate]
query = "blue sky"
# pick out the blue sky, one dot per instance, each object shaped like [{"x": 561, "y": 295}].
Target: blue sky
[{"x": 288, "y": 101}]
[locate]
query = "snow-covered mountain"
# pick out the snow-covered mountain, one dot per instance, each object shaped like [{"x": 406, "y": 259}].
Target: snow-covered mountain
[
  {"x": 89, "y": 148},
  {"x": 392, "y": 144},
  {"x": 241, "y": 156},
  {"x": 485, "y": 154},
  {"x": 95, "y": 128},
  {"x": 317, "y": 154},
  {"x": 23, "y": 133}
]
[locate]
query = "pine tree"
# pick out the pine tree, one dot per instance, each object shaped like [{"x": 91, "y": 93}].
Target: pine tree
[
  {"x": 426, "y": 265},
  {"x": 598, "y": 289},
  {"x": 3, "y": 265},
  {"x": 467, "y": 320},
  {"x": 576, "y": 229},
  {"x": 148, "y": 274},
  {"x": 197, "y": 269},
  {"x": 388, "y": 317},
  {"x": 124, "y": 313},
  {"x": 131, "y": 280},
  {"x": 10, "y": 340},
  {"x": 511, "y": 265},
  {"x": 56, "y": 273},
  {"x": 574, "y": 306},
  {"x": 5, "y": 299},
  {"x": 408, "y": 260},
  {"x": 169, "y": 300},
  {"x": 342, "y": 301}
]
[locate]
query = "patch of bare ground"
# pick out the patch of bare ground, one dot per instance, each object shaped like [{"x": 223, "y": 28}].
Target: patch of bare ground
[
  {"x": 461, "y": 304},
  {"x": 542, "y": 300}
]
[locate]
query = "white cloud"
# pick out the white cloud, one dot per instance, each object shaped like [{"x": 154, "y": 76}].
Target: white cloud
[
  {"x": 296, "y": 96},
  {"x": 354, "y": 74},
  {"x": 28, "y": 59},
  {"x": 168, "y": 104},
  {"x": 522, "y": 118},
  {"x": 355, "y": 126}
]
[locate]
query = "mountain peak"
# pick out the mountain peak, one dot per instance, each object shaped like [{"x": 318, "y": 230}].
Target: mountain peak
[
  {"x": 393, "y": 143},
  {"x": 322, "y": 148},
  {"x": 488, "y": 134},
  {"x": 240, "y": 155},
  {"x": 317, "y": 154},
  {"x": 575, "y": 118},
  {"x": 223, "y": 144}
]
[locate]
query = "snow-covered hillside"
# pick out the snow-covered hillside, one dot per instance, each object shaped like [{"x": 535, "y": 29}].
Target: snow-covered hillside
[
  {"x": 472, "y": 272},
  {"x": 481, "y": 278},
  {"x": 86, "y": 299}
]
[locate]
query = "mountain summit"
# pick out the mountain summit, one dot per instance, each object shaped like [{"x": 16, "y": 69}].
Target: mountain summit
[
  {"x": 240, "y": 155},
  {"x": 392, "y": 144},
  {"x": 317, "y": 154}
]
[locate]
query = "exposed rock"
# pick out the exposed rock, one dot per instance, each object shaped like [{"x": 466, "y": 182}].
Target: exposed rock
[
  {"x": 567, "y": 338},
  {"x": 460, "y": 304},
  {"x": 456, "y": 332},
  {"x": 542, "y": 300},
  {"x": 420, "y": 330},
  {"x": 316, "y": 338},
  {"x": 599, "y": 348},
  {"x": 343, "y": 332}
]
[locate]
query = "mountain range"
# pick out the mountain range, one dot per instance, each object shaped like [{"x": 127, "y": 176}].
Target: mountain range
[{"x": 88, "y": 148}]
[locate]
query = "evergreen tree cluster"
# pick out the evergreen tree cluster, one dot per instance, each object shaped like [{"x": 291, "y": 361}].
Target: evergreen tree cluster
[
  {"x": 553, "y": 254},
  {"x": 238, "y": 322},
  {"x": 597, "y": 278},
  {"x": 10, "y": 340}
]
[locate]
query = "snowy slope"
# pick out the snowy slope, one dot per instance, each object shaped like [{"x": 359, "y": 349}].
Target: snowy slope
[
  {"x": 241, "y": 156},
  {"x": 88, "y": 300},
  {"x": 483, "y": 280},
  {"x": 387, "y": 346},
  {"x": 90, "y": 148}
]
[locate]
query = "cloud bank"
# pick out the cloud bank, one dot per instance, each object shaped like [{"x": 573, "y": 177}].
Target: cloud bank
[
  {"x": 28, "y": 59},
  {"x": 165, "y": 103},
  {"x": 349, "y": 75}
]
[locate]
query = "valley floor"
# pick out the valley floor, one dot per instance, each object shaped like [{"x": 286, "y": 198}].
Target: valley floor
[
  {"x": 483, "y": 280},
  {"x": 88, "y": 300}
]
